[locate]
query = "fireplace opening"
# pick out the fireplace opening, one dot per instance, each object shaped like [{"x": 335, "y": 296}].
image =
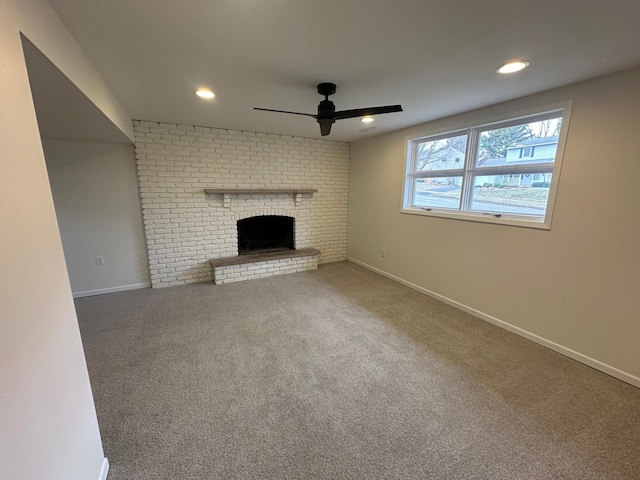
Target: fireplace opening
[{"x": 264, "y": 234}]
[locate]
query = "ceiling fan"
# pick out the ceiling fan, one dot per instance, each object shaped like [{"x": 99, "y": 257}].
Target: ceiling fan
[{"x": 327, "y": 114}]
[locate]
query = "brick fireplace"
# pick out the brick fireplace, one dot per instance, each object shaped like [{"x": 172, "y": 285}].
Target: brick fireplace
[{"x": 185, "y": 227}]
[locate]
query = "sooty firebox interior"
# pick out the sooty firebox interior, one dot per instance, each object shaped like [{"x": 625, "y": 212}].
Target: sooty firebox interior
[{"x": 268, "y": 233}]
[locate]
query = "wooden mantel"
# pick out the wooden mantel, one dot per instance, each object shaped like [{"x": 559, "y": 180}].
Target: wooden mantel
[
  {"x": 260, "y": 190},
  {"x": 227, "y": 192}
]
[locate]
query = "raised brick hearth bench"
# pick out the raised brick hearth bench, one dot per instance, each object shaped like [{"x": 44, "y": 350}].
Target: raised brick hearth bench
[{"x": 247, "y": 267}]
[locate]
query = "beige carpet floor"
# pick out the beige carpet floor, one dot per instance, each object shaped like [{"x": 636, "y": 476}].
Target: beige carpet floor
[{"x": 340, "y": 373}]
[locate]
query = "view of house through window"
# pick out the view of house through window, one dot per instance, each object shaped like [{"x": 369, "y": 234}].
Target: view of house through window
[{"x": 503, "y": 170}]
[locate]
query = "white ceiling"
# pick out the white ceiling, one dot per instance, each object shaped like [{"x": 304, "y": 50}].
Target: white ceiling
[{"x": 435, "y": 57}]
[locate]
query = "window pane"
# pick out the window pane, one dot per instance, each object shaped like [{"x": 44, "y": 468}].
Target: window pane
[
  {"x": 526, "y": 144},
  {"x": 444, "y": 154},
  {"x": 517, "y": 194},
  {"x": 442, "y": 192}
]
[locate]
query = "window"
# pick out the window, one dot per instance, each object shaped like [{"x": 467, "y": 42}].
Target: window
[{"x": 500, "y": 172}]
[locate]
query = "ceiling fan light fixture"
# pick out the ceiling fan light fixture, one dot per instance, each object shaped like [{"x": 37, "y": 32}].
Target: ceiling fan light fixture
[
  {"x": 367, "y": 119},
  {"x": 205, "y": 93},
  {"x": 513, "y": 67}
]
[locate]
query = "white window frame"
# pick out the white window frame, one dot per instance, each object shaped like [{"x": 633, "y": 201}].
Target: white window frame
[{"x": 470, "y": 170}]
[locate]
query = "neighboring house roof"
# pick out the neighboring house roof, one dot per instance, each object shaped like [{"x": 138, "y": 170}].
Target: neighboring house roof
[{"x": 536, "y": 141}]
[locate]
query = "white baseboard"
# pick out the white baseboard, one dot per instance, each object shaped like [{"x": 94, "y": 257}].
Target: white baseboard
[
  {"x": 103, "y": 291},
  {"x": 104, "y": 471},
  {"x": 591, "y": 362}
]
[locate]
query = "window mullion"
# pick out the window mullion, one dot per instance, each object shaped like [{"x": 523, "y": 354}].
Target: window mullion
[
  {"x": 410, "y": 174},
  {"x": 467, "y": 180}
]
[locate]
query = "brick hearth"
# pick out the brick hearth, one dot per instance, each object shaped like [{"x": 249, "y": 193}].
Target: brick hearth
[{"x": 247, "y": 267}]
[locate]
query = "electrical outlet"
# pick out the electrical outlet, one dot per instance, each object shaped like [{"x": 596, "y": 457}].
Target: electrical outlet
[
  {"x": 99, "y": 261},
  {"x": 383, "y": 253}
]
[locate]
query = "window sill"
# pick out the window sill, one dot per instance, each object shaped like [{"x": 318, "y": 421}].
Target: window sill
[{"x": 504, "y": 219}]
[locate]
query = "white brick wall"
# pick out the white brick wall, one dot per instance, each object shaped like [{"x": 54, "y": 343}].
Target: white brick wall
[
  {"x": 185, "y": 228},
  {"x": 269, "y": 268}
]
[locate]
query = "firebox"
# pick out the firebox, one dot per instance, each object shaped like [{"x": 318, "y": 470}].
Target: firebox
[{"x": 265, "y": 233}]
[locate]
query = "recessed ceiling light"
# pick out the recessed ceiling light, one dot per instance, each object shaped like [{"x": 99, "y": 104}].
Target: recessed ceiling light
[
  {"x": 205, "y": 93},
  {"x": 512, "y": 67},
  {"x": 367, "y": 119}
]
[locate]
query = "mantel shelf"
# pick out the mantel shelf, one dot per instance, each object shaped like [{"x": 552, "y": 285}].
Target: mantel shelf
[{"x": 259, "y": 190}]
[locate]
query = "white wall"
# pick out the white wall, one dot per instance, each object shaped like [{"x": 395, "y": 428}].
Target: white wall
[
  {"x": 95, "y": 193},
  {"x": 48, "y": 427},
  {"x": 575, "y": 285},
  {"x": 185, "y": 229}
]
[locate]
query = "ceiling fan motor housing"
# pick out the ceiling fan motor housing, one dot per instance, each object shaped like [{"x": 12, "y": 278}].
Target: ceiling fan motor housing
[
  {"x": 326, "y": 109},
  {"x": 326, "y": 88}
]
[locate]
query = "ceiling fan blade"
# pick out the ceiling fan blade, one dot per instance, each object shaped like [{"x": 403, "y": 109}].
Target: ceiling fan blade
[
  {"x": 285, "y": 111},
  {"x": 325, "y": 125},
  {"x": 363, "y": 112}
]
